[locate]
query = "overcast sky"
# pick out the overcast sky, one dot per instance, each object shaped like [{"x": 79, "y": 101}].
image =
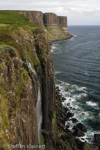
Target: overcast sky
[{"x": 79, "y": 12}]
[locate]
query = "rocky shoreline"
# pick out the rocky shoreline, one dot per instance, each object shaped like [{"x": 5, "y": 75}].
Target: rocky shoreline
[
  {"x": 66, "y": 140},
  {"x": 62, "y": 39}
]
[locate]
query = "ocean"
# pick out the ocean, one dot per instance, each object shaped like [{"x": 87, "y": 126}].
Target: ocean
[{"x": 77, "y": 70}]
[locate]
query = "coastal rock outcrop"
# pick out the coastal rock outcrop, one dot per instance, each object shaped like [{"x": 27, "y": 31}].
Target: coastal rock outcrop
[{"x": 54, "y": 26}]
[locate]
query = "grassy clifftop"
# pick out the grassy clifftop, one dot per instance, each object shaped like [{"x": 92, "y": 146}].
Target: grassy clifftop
[
  {"x": 8, "y": 17},
  {"x": 15, "y": 31}
]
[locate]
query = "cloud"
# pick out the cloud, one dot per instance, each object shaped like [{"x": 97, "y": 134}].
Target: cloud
[{"x": 78, "y": 11}]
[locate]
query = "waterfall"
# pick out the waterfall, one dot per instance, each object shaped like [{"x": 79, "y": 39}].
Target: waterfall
[
  {"x": 39, "y": 114},
  {"x": 30, "y": 68},
  {"x": 38, "y": 105}
]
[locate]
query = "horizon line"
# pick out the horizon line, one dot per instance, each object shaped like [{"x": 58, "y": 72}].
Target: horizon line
[{"x": 82, "y": 25}]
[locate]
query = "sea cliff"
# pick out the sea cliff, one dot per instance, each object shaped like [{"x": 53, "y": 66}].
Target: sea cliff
[
  {"x": 54, "y": 26},
  {"x": 27, "y": 83},
  {"x": 31, "y": 114}
]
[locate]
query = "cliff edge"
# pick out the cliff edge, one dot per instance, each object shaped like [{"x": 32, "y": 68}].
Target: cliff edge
[{"x": 54, "y": 26}]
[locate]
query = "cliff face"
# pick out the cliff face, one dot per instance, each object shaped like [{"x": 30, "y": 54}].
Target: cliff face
[
  {"x": 62, "y": 21},
  {"x": 26, "y": 77},
  {"x": 50, "y": 19},
  {"x": 54, "y": 26},
  {"x": 18, "y": 99},
  {"x": 34, "y": 16}
]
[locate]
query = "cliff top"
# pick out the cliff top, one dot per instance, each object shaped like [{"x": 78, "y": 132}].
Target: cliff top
[{"x": 9, "y": 17}]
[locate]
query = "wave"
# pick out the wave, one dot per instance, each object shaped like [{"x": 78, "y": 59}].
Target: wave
[
  {"x": 87, "y": 74},
  {"x": 74, "y": 103},
  {"x": 74, "y": 36},
  {"x": 56, "y": 51},
  {"x": 93, "y": 104},
  {"x": 57, "y": 72}
]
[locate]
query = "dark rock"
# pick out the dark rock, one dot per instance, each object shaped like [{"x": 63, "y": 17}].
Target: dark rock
[
  {"x": 69, "y": 114},
  {"x": 67, "y": 126},
  {"x": 62, "y": 145},
  {"x": 87, "y": 146},
  {"x": 79, "y": 144},
  {"x": 97, "y": 139},
  {"x": 81, "y": 127},
  {"x": 63, "y": 98},
  {"x": 78, "y": 132},
  {"x": 74, "y": 120},
  {"x": 67, "y": 140}
]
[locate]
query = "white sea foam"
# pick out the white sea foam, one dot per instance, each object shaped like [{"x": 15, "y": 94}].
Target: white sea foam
[
  {"x": 77, "y": 96},
  {"x": 53, "y": 47},
  {"x": 87, "y": 74},
  {"x": 72, "y": 101},
  {"x": 74, "y": 36},
  {"x": 57, "y": 72},
  {"x": 70, "y": 124},
  {"x": 56, "y": 49},
  {"x": 89, "y": 135},
  {"x": 75, "y": 87},
  {"x": 81, "y": 89},
  {"x": 68, "y": 101},
  {"x": 93, "y": 104},
  {"x": 63, "y": 83}
]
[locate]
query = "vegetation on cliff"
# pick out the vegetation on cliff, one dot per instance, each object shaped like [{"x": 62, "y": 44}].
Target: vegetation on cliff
[
  {"x": 8, "y": 17},
  {"x": 23, "y": 43}
]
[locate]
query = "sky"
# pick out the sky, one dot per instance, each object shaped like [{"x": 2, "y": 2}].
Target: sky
[{"x": 79, "y": 12}]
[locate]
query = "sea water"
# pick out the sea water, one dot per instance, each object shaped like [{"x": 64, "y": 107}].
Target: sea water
[{"x": 77, "y": 70}]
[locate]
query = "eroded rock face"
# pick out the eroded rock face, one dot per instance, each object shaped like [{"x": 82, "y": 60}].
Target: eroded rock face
[
  {"x": 18, "y": 97},
  {"x": 46, "y": 19},
  {"x": 34, "y": 16},
  {"x": 48, "y": 83},
  {"x": 50, "y": 19},
  {"x": 19, "y": 87},
  {"x": 54, "y": 26},
  {"x": 62, "y": 21}
]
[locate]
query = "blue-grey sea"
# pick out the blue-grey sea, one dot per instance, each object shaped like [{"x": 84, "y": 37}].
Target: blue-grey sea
[{"x": 77, "y": 70}]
